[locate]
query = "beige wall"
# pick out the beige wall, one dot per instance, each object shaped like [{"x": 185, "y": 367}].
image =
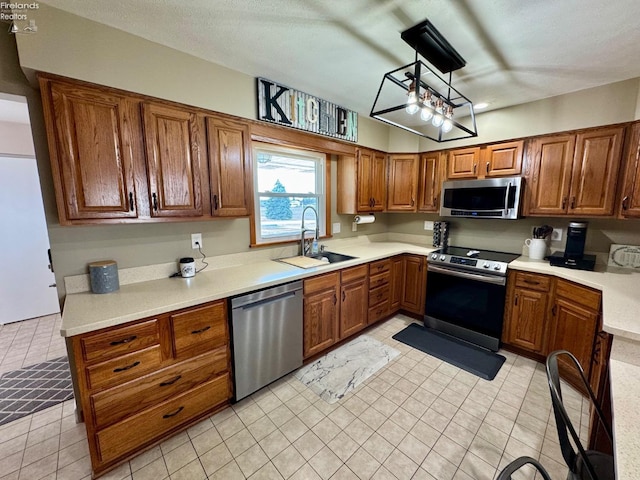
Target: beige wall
[
  {"x": 16, "y": 139},
  {"x": 71, "y": 46}
]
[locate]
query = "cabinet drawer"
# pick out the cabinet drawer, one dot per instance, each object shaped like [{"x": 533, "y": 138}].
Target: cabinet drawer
[
  {"x": 353, "y": 273},
  {"x": 380, "y": 279},
  {"x": 578, "y": 294},
  {"x": 379, "y": 266},
  {"x": 133, "y": 433},
  {"x": 321, "y": 282},
  {"x": 114, "y": 404},
  {"x": 378, "y": 295},
  {"x": 120, "y": 341},
  {"x": 378, "y": 312},
  {"x": 124, "y": 368},
  {"x": 199, "y": 329},
  {"x": 533, "y": 281}
]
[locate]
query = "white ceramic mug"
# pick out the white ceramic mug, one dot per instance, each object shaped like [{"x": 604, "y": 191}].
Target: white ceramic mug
[{"x": 537, "y": 248}]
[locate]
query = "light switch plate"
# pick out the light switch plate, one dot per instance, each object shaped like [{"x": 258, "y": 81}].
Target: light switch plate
[
  {"x": 556, "y": 235},
  {"x": 428, "y": 225},
  {"x": 335, "y": 228}
]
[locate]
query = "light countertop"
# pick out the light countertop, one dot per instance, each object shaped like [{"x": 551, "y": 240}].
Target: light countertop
[{"x": 85, "y": 312}]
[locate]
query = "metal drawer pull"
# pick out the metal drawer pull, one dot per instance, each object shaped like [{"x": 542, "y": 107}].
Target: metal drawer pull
[
  {"x": 122, "y": 369},
  {"x": 125, "y": 340},
  {"x": 171, "y": 382},
  {"x": 169, "y": 415},
  {"x": 195, "y": 332},
  {"x": 531, "y": 282}
]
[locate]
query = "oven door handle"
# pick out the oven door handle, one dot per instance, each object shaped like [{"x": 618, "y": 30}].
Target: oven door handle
[{"x": 493, "y": 279}]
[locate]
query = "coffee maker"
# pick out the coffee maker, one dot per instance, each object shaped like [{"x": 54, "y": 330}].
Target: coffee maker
[{"x": 573, "y": 255}]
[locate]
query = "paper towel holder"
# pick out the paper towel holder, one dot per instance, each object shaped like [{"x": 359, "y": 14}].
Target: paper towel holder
[{"x": 362, "y": 219}]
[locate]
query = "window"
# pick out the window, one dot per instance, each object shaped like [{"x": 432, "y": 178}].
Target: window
[{"x": 286, "y": 181}]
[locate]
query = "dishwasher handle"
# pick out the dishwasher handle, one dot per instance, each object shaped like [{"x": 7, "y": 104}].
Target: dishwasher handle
[
  {"x": 266, "y": 301},
  {"x": 267, "y": 294}
]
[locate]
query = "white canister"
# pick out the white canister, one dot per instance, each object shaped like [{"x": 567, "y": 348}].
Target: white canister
[
  {"x": 537, "y": 248},
  {"x": 187, "y": 267}
]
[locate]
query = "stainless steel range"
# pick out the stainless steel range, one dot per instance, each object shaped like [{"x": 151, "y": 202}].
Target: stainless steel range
[{"x": 466, "y": 291}]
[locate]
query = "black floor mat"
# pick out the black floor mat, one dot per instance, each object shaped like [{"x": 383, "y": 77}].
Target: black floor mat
[{"x": 477, "y": 360}]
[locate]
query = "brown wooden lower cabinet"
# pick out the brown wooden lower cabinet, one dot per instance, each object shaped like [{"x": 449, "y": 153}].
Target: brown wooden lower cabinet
[
  {"x": 354, "y": 292},
  {"x": 414, "y": 284},
  {"x": 133, "y": 389},
  {"x": 321, "y": 312}
]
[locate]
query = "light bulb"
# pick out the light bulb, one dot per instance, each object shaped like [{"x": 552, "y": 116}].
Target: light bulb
[
  {"x": 426, "y": 114},
  {"x": 447, "y": 126},
  {"x": 412, "y": 103},
  {"x": 438, "y": 119}
]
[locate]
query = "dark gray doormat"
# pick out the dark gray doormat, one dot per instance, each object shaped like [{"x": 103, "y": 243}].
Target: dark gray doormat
[
  {"x": 34, "y": 388},
  {"x": 477, "y": 360}
]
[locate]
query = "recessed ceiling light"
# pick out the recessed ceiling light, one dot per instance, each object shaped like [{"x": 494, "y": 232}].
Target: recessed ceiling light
[{"x": 480, "y": 106}]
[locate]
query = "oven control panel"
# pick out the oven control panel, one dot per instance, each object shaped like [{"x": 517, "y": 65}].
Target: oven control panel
[{"x": 493, "y": 267}]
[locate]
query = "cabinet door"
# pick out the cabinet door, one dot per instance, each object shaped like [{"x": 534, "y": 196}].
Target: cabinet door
[
  {"x": 413, "y": 292},
  {"x": 503, "y": 159},
  {"x": 595, "y": 171},
  {"x": 630, "y": 204},
  {"x": 365, "y": 196},
  {"x": 93, "y": 172},
  {"x": 527, "y": 319},
  {"x": 230, "y": 167},
  {"x": 402, "y": 190},
  {"x": 320, "y": 321},
  {"x": 378, "y": 178},
  {"x": 429, "y": 182},
  {"x": 551, "y": 175},
  {"x": 574, "y": 328},
  {"x": 397, "y": 284},
  {"x": 463, "y": 163},
  {"x": 354, "y": 307},
  {"x": 173, "y": 161}
]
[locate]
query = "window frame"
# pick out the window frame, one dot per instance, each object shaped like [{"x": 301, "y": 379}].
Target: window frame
[{"x": 323, "y": 199}]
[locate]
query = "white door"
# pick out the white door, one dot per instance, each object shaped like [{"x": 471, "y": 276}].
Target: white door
[{"x": 27, "y": 285}]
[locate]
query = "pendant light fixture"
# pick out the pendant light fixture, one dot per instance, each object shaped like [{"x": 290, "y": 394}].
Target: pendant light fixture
[{"x": 445, "y": 113}]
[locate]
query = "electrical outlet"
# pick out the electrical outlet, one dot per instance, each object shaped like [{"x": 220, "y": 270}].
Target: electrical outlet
[
  {"x": 428, "y": 225},
  {"x": 556, "y": 235},
  {"x": 336, "y": 227},
  {"x": 354, "y": 227},
  {"x": 196, "y": 239}
]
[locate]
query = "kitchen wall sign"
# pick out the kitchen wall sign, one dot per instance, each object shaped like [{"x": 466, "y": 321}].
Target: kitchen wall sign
[{"x": 289, "y": 107}]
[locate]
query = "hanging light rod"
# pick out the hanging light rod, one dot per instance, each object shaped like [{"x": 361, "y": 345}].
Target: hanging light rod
[{"x": 425, "y": 39}]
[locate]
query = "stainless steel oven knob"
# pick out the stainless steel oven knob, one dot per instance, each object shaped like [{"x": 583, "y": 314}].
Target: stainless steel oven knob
[
  {"x": 496, "y": 266},
  {"x": 486, "y": 265},
  {"x": 443, "y": 258},
  {"x": 434, "y": 256}
]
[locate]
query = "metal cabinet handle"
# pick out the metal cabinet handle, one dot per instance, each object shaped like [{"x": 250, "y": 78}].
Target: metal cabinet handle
[
  {"x": 335, "y": 299},
  {"x": 516, "y": 301},
  {"x": 171, "y": 382},
  {"x": 573, "y": 202},
  {"x": 204, "y": 329},
  {"x": 122, "y": 369},
  {"x": 487, "y": 167},
  {"x": 131, "y": 201},
  {"x": 169, "y": 415},
  {"x": 215, "y": 202},
  {"x": 344, "y": 296},
  {"x": 564, "y": 203},
  {"x": 625, "y": 202},
  {"x": 474, "y": 168},
  {"x": 413, "y": 202},
  {"x": 155, "y": 202},
  {"x": 531, "y": 282},
  {"x": 554, "y": 310},
  {"x": 124, "y": 340}
]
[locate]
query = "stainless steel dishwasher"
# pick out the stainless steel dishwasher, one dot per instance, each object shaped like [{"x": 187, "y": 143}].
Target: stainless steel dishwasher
[{"x": 267, "y": 336}]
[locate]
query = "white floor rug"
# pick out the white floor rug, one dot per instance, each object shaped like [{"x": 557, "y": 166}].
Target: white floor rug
[{"x": 340, "y": 371}]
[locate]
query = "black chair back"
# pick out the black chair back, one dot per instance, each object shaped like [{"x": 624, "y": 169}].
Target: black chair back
[{"x": 517, "y": 464}]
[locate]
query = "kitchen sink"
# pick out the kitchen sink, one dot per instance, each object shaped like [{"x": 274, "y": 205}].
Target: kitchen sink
[{"x": 332, "y": 257}]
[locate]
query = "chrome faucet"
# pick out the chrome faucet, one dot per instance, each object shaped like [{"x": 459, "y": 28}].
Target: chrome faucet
[{"x": 304, "y": 248}]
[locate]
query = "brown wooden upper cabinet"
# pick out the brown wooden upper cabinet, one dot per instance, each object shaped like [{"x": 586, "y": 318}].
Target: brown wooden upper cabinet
[
  {"x": 430, "y": 181},
  {"x": 495, "y": 160},
  {"x": 402, "y": 191},
  {"x": 173, "y": 161},
  {"x": 230, "y": 167},
  {"x": 574, "y": 174},
  {"x": 630, "y": 201},
  {"x": 362, "y": 182},
  {"x": 91, "y": 135}
]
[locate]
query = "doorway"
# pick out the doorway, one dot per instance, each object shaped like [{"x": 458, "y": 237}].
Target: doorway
[{"x": 27, "y": 283}]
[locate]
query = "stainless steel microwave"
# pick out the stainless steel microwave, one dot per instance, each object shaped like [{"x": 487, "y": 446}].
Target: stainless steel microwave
[{"x": 489, "y": 198}]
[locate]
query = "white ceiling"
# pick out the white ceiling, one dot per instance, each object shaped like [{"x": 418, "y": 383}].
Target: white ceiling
[{"x": 516, "y": 50}]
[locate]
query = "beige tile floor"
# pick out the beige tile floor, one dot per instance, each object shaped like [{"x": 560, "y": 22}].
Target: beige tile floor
[
  {"x": 30, "y": 341},
  {"x": 417, "y": 418}
]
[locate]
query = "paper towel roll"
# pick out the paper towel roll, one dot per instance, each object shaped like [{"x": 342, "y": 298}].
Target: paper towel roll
[{"x": 364, "y": 219}]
